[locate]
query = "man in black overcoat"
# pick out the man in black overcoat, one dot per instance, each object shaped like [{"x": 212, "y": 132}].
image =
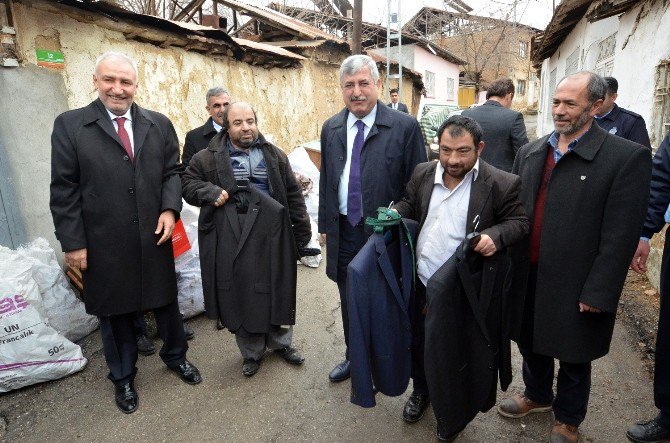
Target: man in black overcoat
[
  {"x": 586, "y": 193},
  {"x": 452, "y": 198},
  {"x": 368, "y": 153},
  {"x": 115, "y": 196},
  {"x": 255, "y": 302}
]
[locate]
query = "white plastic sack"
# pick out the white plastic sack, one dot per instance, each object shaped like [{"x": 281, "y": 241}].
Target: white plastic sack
[
  {"x": 30, "y": 350},
  {"x": 58, "y": 304},
  {"x": 302, "y": 164},
  {"x": 189, "y": 280},
  {"x": 312, "y": 261}
]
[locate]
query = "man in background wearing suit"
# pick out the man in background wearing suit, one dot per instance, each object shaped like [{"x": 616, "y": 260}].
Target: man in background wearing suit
[
  {"x": 115, "y": 196},
  {"x": 395, "y": 103},
  {"x": 504, "y": 129},
  {"x": 368, "y": 153},
  {"x": 586, "y": 192},
  {"x": 197, "y": 139},
  {"x": 451, "y": 198}
]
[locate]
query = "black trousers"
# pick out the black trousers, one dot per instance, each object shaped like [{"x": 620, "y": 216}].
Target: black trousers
[
  {"x": 120, "y": 342},
  {"x": 352, "y": 239},
  {"x": 573, "y": 384},
  {"x": 662, "y": 369},
  {"x": 418, "y": 321}
]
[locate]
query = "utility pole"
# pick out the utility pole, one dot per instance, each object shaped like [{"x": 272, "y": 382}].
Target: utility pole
[
  {"x": 356, "y": 44},
  {"x": 393, "y": 35}
]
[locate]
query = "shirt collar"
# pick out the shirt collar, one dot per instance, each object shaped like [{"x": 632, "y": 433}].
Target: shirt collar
[
  {"x": 369, "y": 119},
  {"x": 127, "y": 115},
  {"x": 608, "y": 113},
  {"x": 553, "y": 141},
  {"x": 217, "y": 127},
  {"x": 439, "y": 172}
]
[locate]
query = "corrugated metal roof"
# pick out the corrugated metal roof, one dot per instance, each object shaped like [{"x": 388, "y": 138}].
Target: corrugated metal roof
[
  {"x": 240, "y": 48},
  {"x": 281, "y": 21}
]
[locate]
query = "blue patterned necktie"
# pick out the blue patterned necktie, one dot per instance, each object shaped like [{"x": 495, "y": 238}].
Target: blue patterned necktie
[{"x": 354, "y": 200}]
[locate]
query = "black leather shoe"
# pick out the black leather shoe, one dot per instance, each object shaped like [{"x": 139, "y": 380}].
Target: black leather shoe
[
  {"x": 291, "y": 355},
  {"x": 250, "y": 366},
  {"x": 340, "y": 372},
  {"x": 188, "y": 373},
  {"x": 650, "y": 431},
  {"x": 145, "y": 346},
  {"x": 415, "y": 407},
  {"x": 126, "y": 398},
  {"x": 188, "y": 332}
]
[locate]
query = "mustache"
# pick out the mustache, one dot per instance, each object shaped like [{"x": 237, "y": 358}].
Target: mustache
[{"x": 357, "y": 98}]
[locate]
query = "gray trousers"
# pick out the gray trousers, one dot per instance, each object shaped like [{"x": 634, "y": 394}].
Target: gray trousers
[{"x": 254, "y": 347}]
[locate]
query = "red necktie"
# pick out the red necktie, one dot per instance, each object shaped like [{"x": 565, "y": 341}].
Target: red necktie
[{"x": 123, "y": 135}]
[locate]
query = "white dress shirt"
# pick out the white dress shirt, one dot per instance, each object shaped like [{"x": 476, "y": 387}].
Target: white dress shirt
[
  {"x": 217, "y": 127},
  {"x": 395, "y": 106},
  {"x": 445, "y": 225},
  {"x": 352, "y": 130},
  {"x": 128, "y": 124}
]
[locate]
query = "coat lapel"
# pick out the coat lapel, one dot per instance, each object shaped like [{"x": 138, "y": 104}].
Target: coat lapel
[
  {"x": 479, "y": 195},
  {"x": 387, "y": 269},
  {"x": 140, "y": 128},
  {"x": 99, "y": 115},
  {"x": 427, "y": 185},
  {"x": 231, "y": 215},
  {"x": 531, "y": 174},
  {"x": 250, "y": 219}
]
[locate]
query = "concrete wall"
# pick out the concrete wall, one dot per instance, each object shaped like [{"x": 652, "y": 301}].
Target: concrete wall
[{"x": 31, "y": 99}]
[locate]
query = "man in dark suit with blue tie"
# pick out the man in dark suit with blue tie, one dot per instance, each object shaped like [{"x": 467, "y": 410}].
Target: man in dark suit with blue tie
[{"x": 368, "y": 153}]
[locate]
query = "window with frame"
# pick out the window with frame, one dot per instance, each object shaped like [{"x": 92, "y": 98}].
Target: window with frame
[
  {"x": 572, "y": 63},
  {"x": 523, "y": 49},
  {"x": 451, "y": 85},
  {"x": 520, "y": 88},
  {"x": 429, "y": 83}
]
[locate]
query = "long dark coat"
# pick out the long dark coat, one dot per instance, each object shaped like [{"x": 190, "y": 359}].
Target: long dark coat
[
  {"x": 467, "y": 336},
  {"x": 595, "y": 208},
  {"x": 103, "y": 202},
  {"x": 255, "y": 265},
  {"x": 209, "y": 172}
]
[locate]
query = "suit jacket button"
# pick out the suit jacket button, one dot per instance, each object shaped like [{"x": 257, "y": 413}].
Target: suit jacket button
[
  {"x": 341, "y": 158},
  {"x": 335, "y": 218},
  {"x": 135, "y": 220},
  {"x": 126, "y": 158},
  {"x": 131, "y": 191}
]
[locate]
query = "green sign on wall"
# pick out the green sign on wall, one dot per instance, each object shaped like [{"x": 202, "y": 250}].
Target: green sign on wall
[{"x": 50, "y": 59}]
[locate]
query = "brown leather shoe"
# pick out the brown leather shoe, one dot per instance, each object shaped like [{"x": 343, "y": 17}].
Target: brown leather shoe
[
  {"x": 564, "y": 433},
  {"x": 519, "y": 406}
]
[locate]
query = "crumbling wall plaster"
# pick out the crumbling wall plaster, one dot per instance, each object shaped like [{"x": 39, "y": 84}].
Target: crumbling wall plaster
[{"x": 291, "y": 103}]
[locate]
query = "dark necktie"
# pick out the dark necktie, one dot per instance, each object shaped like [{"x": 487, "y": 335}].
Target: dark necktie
[
  {"x": 123, "y": 135},
  {"x": 354, "y": 203}
]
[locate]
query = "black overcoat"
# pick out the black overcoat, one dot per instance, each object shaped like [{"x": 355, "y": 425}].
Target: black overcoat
[
  {"x": 208, "y": 173},
  {"x": 467, "y": 339},
  {"x": 255, "y": 265},
  {"x": 108, "y": 204},
  {"x": 596, "y": 202}
]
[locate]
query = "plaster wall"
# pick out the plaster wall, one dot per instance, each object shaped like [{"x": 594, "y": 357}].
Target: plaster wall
[
  {"x": 291, "y": 103},
  {"x": 637, "y": 53},
  {"x": 443, "y": 70}
]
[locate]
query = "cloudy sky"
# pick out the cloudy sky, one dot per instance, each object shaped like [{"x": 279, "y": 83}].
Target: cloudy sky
[{"x": 536, "y": 13}]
